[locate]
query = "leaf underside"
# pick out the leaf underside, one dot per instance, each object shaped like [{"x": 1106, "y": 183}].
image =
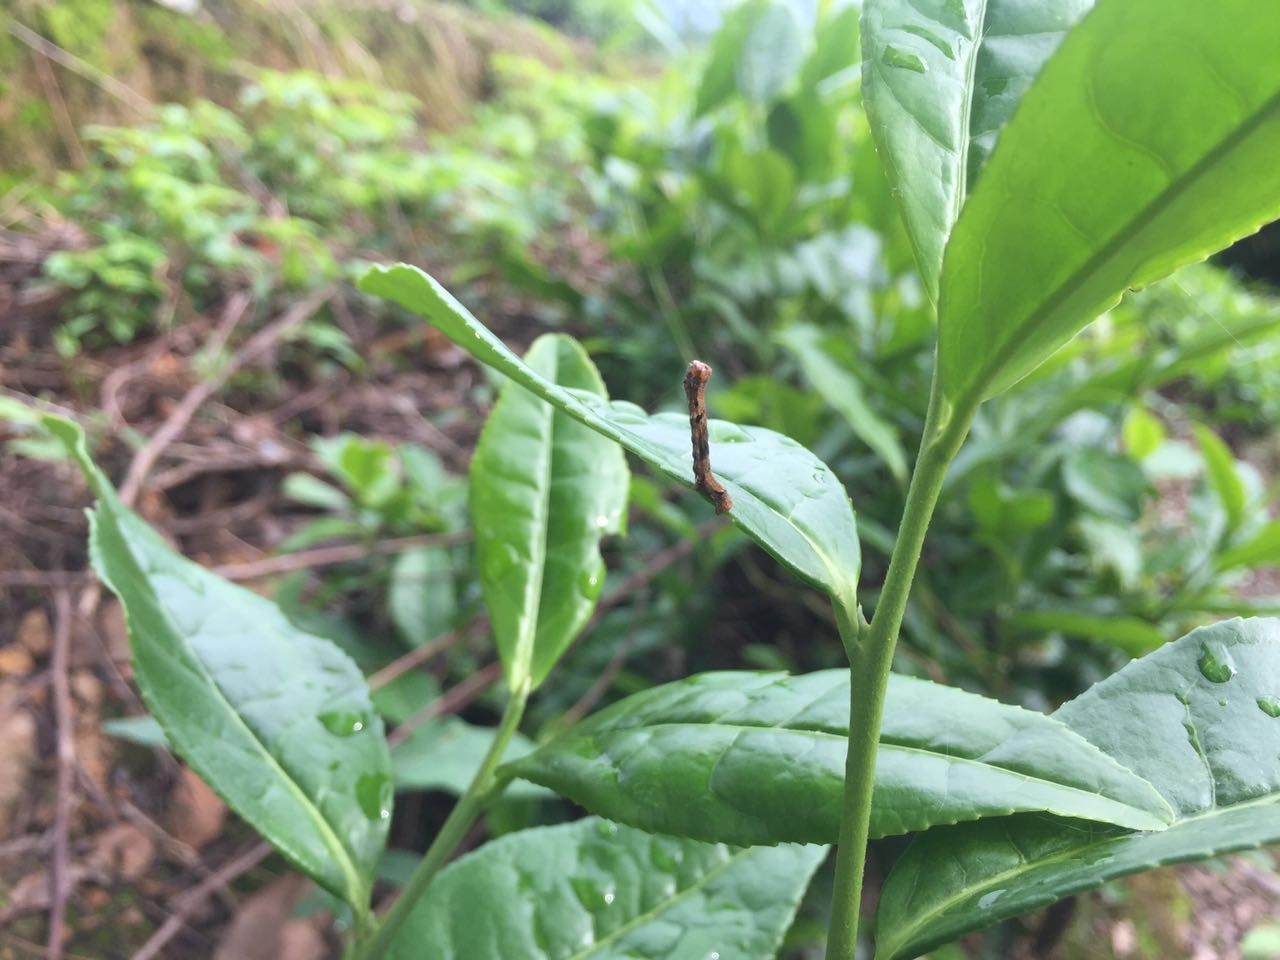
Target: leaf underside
[
  {"x": 1199, "y": 719},
  {"x": 941, "y": 78},
  {"x": 1148, "y": 141}
]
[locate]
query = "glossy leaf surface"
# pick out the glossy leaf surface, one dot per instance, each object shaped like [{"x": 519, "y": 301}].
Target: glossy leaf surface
[
  {"x": 1199, "y": 719},
  {"x": 1148, "y": 141},
  {"x": 279, "y": 722},
  {"x": 751, "y": 758},
  {"x": 941, "y": 78},
  {"x": 544, "y": 490},
  {"x": 606, "y": 891},
  {"x": 785, "y": 498}
]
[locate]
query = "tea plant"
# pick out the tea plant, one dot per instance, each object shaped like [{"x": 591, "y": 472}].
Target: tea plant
[{"x": 1143, "y": 143}]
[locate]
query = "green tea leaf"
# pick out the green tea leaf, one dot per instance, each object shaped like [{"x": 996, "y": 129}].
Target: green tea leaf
[
  {"x": 277, "y": 721},
  {"x": 1133, "y": 635},
  {"x": 421, "y": 596},
  {"x": 1262, "y": 550},
  {"x": 771, "y": 53},
  {"x": 1198, "y": 718},
  {"x": 940, "y": 79},
  {"x": 842, "y": 391},
  {"x": 1143, "y": 433},
  {"x": 1147, "y": 142},
  {"x": 1220, "y": 468},
  {"x": 544, "y": 490},
  {"x": 605, "y": 891},
  {"x": 720, "y": 75},
  {"x": 751, "y": 758},
  {"x": 785, "y": 498}
]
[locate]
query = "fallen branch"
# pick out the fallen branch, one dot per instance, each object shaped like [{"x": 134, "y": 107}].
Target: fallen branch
[
  {"x": 453, "y": 700},
  {"x": 337, "y": 553},
  {"x": 187, "y": 903},
  {"x": 59, "y": 882}
]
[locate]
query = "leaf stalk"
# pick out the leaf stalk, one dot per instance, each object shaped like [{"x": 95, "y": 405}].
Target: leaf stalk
[
  {"x": 484, "y": 787},
  {"x": 870, "y": 648}
]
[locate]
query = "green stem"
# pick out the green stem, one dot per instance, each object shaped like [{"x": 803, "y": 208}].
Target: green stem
[
  {"x": 478, "y": 795},
  {"x": 870, "y": 651}
]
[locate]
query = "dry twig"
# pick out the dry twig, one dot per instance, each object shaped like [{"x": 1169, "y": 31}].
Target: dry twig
[
  {"x": 337, "y": 553},
  {"x": 58, "y": 874},
  {"x": 188, "y": 902}
]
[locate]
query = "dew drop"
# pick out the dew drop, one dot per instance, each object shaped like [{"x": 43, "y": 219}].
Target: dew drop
[
  {"x": 934, "y": 39},
  {"x": 590, "y": 895},
  {"x": 589, "y": 583},
  {"x": 375, "y": 794},
  {"x": 664, "y": 857},
  {"x": 1270, "y": 706},
  {"x": 342, "y": 723},
  {"x": 1215, "y": 663},
  {"x": 987, "y": 899},
  {"x": 893, "y": 57}
]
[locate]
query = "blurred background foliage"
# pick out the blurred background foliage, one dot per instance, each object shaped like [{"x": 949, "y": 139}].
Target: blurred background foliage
[{"x": 665, "y": 180}]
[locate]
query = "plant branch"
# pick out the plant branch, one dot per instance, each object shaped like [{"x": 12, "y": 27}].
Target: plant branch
[
  {"x": 459, "y": 821},
  {"x": 870, "y": 649}
]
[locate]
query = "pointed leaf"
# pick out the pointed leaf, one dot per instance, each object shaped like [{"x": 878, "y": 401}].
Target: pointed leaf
[
  {"x": 544, "y": 490},
  {"x": 941, "y": 78},
  {"x": 1220, "y": 468},
  {"x": 1262, "y": 550},
  {"x": 751, "y": 758},
  {"x": 771, "y": 53},
  {"x": 843, "y": 392},
  {"x": 603, "y": 891},
  {"x": 785, "y": 498},
  {"x": 279, "y": 722},
  {"x": 421, "y": 596},
  {"x": 1148, "y": 141},
  {"x": 1198, "y": 718}
]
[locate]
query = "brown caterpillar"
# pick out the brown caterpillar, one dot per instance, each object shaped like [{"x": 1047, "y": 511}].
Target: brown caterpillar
[{"x": 695, "y": 389}]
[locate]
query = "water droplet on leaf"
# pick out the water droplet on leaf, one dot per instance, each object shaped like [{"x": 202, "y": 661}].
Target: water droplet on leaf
[
  {"x": 375, "y": 794},
  {"x": 590, "y": 894},
  {"x": 893, "y": 57},
  {"x": 1215, "y": 663},
  {"x": 342, "y": 723},
  {"x": 987, "y": 899},
  {"x": 589, "y": 583}
]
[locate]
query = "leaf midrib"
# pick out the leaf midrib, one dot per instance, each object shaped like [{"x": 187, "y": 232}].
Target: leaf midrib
[
  {"x": 527, "y": 640},
  {"x": 740, "y": 728},
  {"x": 661, "y": 908},
  {"x": 355, "y": 890},
  {"x": 1149, "y": 212}
]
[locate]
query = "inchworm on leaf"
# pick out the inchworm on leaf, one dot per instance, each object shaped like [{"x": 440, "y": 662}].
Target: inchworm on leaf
[{"x": 695, "y": 389}]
